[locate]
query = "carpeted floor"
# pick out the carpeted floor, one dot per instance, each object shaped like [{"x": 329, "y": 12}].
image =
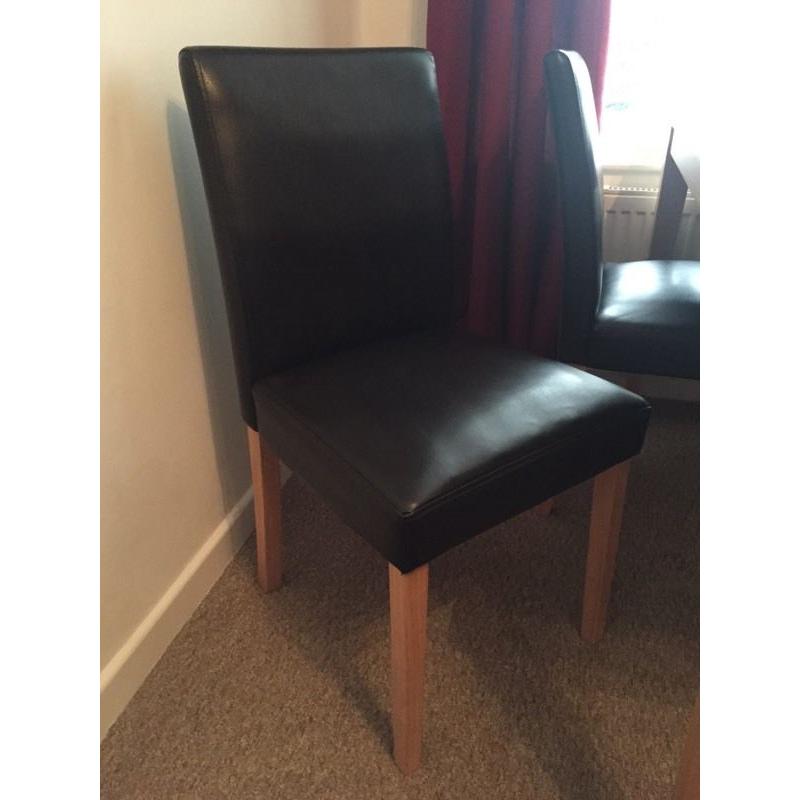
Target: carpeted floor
[{"x": 285, "y": 695}]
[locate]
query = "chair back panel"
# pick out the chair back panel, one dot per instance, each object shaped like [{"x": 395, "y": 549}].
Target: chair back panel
[
  {"x": 574, "y": 121},
  {"x": 327, "y": 184}
]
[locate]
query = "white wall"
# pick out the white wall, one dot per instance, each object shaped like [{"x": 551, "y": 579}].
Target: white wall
[{"x": 173, "y": 453}]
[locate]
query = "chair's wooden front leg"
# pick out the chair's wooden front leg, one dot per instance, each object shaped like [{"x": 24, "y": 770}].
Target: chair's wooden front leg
[
  {"x": 266, "y": 470},
  {"x": 607, "y": 504},
  {"x": 408, "y": 611}
]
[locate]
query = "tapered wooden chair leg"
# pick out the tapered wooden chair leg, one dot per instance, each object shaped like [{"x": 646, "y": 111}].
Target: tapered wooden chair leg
[
  {"x": 408, "y": 610},
  {"x": 266, "y": 471},
  {"x": 688, "y": 786},
  {"x": 607, "y": 504}
]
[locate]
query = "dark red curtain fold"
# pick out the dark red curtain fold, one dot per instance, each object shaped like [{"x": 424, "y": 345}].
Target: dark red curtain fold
[{"x": 489, "y": 60}]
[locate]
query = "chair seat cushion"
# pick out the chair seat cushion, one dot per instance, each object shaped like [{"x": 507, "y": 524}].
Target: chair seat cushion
[
  {"x": 648, "y": 319},
  {"x": 423, "y": 441}
]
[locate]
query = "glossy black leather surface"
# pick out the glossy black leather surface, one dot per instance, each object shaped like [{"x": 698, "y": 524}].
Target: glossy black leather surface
[
  {"x": 641, "y": 317},
  {"x": 326, "y": 179},
  {"x": 423, "y": 441},
  {"x": 327, "y": 185},
  {"x": 649, "y": 312},
  {"x": 574, "y": 121}
]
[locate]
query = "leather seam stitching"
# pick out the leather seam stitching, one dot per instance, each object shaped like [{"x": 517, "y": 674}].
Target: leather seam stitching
[
  {"x": 431, "y": 504},
  {"x": 510, "y": 466}
]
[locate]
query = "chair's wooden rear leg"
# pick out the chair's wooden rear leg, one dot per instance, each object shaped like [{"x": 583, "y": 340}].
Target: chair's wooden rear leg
[
  {"x": 408, "y": 610},
  {"x": 688, "y": 786},
  {"x": 607, "y": 504},
  {"x": 266, "y": 470}
]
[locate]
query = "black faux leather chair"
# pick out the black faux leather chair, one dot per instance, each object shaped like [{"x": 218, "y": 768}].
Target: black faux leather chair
[
  {"x": 636, "y": 317},
  {"x": 326, "y": 179}
]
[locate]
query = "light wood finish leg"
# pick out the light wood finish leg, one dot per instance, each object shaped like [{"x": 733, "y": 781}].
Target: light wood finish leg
[
  {"x": 607, "y": 504},
  {"x": 266, "y": 471},
  {"x": 688, "y": 786},
  {"x": 545, "y": 509},
  {"x": 408, "y": 611}
]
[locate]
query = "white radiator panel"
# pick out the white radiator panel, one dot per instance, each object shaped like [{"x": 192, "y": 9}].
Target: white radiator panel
[{"x": 628, "y": 227}]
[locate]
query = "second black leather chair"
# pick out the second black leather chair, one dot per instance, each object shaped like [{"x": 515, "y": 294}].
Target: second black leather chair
[
  {"x": 635, "y": 317},
  {"x": 326, "y": 179}
]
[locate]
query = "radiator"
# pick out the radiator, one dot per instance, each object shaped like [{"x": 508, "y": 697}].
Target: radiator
[{"x": 629, "y": 213}]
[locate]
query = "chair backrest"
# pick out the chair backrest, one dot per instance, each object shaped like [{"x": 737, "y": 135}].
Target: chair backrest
[
  {"x": 574, "y": 121},
  {"x": 669, "y": 208},
  {"x": 327, "y": 184}
]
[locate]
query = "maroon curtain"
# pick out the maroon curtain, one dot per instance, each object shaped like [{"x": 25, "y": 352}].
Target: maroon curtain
[{"x": 491, "y": 82}]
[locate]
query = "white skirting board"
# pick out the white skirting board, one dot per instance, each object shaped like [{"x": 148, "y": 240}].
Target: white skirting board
[{"x": 131, "y": 664}]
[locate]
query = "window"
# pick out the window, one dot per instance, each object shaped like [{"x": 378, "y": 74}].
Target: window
[{"x": 651, "y": 82}]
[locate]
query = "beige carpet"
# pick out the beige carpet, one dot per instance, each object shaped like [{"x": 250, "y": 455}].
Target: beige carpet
[{"x": 285, "y": 695}]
